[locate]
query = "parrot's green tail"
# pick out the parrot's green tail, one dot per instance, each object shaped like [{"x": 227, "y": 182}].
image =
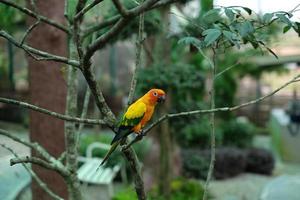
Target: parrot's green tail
[{"x": 111, "y": 150}]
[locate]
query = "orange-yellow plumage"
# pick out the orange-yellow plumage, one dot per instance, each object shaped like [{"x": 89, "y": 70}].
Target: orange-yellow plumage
[{"x": 137, "y": 116}]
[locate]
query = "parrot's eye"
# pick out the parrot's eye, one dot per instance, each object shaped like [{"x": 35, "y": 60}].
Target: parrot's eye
[{"x": 155, "y": 93}]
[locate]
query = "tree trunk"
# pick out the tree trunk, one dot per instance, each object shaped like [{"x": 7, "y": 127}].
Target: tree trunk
[
  {"x": 48, "y": 90},
  {"x": 165, "y": 171}
]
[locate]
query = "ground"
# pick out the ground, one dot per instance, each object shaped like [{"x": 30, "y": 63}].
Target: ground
[{"x": 242, "y": 187}]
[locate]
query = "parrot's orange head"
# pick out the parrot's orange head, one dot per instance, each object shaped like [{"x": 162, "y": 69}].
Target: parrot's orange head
[{"x": 156, "y": 95}]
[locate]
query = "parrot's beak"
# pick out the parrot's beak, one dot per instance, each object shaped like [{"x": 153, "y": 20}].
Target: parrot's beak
[{"x": 161, "y": 99}]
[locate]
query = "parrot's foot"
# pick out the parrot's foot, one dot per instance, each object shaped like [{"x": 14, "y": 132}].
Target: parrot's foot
[
  {"x": 137, "y": 138},
  {"x": 141, "y": 133}
]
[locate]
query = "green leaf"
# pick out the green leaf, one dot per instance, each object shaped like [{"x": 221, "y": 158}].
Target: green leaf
[
  {"x": 286, "y": 28},
  {"x": 254, "y": 43},
  {"x": 248, "y": 10},
  {"x": 191, "y": 41},
  {"x": 211, "y": 35},
  {"x": 267, "y": 18},
  {"x": 232, "y": 37},
  {"x": 230, "y": 14},
  {"x": 245, "y": 28},
  {"x": 71, "y": 8},
  {"x": 272, "y": 52},
  {"x": 296, "y": 27},
  {"x": 212, "y": 15},
  {"x": 284, "y": 19}
]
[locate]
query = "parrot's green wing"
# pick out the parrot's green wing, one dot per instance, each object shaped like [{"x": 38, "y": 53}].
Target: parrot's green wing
[
  {"x": 131, "y": 118},
  {"x": 134, "y": 114}
]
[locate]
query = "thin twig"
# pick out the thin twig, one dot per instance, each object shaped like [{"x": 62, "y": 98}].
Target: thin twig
[
  {"x": 34, "y": 176},
  {"x": 87, "y": 8},
  {"x": 118, "y": 26},
  {"x": 111, "y": 21},
  {"x": 34, "y": 146},
  {"x": 212, "y": 125},
  {"x": 227, "y": 69},
  {"x": 138, "y": 58},
  {"x": 136, "y": 172},
  {"x": 83, "y": 113},
  {"x": 28, "y": 31},
  {"x": 51, "y": 113},
  {"x": 222, "y": 109},
  {"x": 43, "y": 54},
  {"x": 122, "y": 10},
  {"x": 33, "y": 160},
  {"x": 202, "y": 111},
  {"x": 59, "y": 167},
  {"x": 35, "y": 15}
]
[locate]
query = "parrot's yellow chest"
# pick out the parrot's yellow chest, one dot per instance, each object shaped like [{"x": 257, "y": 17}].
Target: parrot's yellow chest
[{"x": 145, "y": 119}]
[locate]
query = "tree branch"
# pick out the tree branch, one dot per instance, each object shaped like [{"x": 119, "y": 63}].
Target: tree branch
[
  {"x": 33, "y": 160},
  {"x": 39, "y": 149},
  {"x": 212, "y": 124},
  {"x": 111, "y": 21},
  {"x": 108, "y": 117},
  {"x": 43, "y": 54},
  {"x": 82, "y": 12},
  {"x": 139, "y": 43},
  {"x": 122, "y": 10},
  {"x": 101, "y": 41},
  {"x": 51, "y": 113},
  {"x": 34, "y": 176},
  {"x": 222, "y": 109},
  {"x": 136, "y": 172},
  {"x": 35, "y": 15}
]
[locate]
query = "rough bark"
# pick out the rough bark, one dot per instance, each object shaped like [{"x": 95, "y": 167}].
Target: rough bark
[
  {"x": 46, "y": 130},
  {"x": 165, "y": 135}
]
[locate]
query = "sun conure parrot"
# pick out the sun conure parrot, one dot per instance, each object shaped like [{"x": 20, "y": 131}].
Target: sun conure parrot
[{"x": 136, "y": 117}]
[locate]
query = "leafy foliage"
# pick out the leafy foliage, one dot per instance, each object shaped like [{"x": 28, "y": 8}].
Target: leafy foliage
[
  {"x": 231, "y": 26},
  {"x": 197, "y": 134},
  {"x": 182, "y": 188},
  {"x": 260, "y": 161},
  {"x": 184, "y": 85},
  {"x": 238, "y": 133},
  {"x": 10, "y": 17},
  {"x": 229, "y": 162},
  {"x": 195, "y": 163},
  {"x": 126, "y": 194}
]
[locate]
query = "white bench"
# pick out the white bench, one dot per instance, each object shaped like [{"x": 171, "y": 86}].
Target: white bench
[{"x": 92, "y": 178}]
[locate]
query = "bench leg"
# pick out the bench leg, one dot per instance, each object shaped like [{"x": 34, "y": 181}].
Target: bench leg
[{"x": 110, "y": 190}]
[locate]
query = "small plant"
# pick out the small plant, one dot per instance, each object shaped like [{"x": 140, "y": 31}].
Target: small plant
[
  {"x": 195, "y": 163},
  {"x": 260, "y": 161},
  {"x": 238, "y": 133},
  {"x": 182, "y": 188},
  {"x": 126, "y": 194},
  {"x": 229, "y": 162},
  {"x": 197, "y": 135}
]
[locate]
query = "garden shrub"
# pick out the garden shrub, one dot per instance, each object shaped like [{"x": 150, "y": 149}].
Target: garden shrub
[
  {"x": 126, "y": 194},
  {"x": 229, "y": 162},
  {"x": 197, "y": 134},
  {"x": 195, "y": 163},
  {"x": 182, "y": 189},
  {"x": 260, "y": 161},
  {"x": 238, "y": 133}
]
